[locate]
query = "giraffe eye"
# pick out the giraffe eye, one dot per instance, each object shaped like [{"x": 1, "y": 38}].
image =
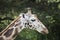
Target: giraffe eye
[{"x": 32, "y": 20}]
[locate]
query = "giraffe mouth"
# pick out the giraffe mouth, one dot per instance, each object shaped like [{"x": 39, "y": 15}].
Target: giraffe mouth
[{"x": 45, "y": 31}]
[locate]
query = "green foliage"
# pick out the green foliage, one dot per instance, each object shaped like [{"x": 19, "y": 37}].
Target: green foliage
[{"x": 48, "y": 11}]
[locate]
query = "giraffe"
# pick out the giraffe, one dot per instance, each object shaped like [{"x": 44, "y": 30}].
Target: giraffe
[{"x": 24, "y": 20}]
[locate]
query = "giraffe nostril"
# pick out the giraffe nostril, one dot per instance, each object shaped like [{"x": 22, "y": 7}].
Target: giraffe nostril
[{"x": 1, "y": 38}]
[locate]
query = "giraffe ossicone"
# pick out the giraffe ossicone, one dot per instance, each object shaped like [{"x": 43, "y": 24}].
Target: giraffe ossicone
[{"x": 24, "y": 20}]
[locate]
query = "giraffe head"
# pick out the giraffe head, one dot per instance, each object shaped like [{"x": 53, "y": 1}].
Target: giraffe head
[{"x": 34, "y": 23}]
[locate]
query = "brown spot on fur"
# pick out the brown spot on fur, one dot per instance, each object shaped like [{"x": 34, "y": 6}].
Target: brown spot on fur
[
  {"x": 30, "y": 25},
  {"x": 20, "y": 27},
  {"x": 0, "y": 34},
  {"x": 12, "y": 24},
  {"x": 1, "y": 38},
  {"x": 8, "y": 32},
  {"x": 16, "y": 32},
  {"x": 17, "y": 20},
  {"x": 17, "y": 24}
]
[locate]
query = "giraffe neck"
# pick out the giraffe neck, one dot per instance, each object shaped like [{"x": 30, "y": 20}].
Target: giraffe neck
[{"x": 13, "y": 29}]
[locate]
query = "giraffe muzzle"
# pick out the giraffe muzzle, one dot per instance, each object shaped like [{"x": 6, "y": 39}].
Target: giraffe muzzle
[{"x": 44, "y": 31}]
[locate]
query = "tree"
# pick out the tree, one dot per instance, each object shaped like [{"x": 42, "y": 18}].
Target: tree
[{"x": 48, "y": 12}]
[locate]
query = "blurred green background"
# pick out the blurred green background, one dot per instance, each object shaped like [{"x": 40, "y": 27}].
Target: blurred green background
[{"x": 48, "y": 12}]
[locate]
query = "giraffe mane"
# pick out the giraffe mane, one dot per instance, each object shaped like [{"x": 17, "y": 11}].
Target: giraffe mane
[{"x": 9, "y": 25}]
